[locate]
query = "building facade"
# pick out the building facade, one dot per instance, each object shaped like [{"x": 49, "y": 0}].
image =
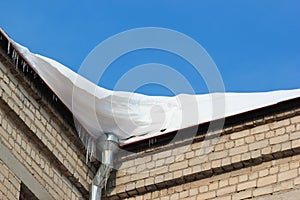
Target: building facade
[
  {"x": 40, "y": 152},
  {"x": 255, "y": 156}
]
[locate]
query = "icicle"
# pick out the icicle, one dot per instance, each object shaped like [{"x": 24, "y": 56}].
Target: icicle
[
  {"x": 8, "y": 47},
  {"x": 87, "y": 140},
  {"x": 15, "y": 58},
  {"x": 24, "y": 66},
  {"x": 87, "y": 157},
  {"x": 151, "y": 141},
  {"x": 17, "y": 63},
  {"x": 34, "y": 76},
  {"x": 90, "y": 145},
  {"x": 88, "y": 150},
  {"x": 92, "y": 149},
  {"x": 54, "y": 98},
  {"x": 0, "y": 37}
]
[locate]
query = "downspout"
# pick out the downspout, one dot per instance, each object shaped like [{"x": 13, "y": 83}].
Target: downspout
[{"x": 109, "y": 145}]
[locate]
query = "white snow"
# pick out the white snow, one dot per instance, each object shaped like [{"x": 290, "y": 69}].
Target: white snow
[{"x": 133, "y": 117}]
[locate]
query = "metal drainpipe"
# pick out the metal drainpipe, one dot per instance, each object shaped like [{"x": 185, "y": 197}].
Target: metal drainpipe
[{"x": 109, "y": 146}]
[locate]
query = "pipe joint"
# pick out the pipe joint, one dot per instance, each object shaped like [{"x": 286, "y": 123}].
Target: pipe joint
[{"x": 109, "y": 145}]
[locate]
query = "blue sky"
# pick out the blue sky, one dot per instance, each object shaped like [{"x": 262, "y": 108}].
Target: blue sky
[{"x": 254, "y": 43}]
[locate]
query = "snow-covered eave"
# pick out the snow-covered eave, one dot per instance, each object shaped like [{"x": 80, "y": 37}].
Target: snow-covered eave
[
  {"x": 8, "y": 44},
  {"x": 257, "y": 116}
]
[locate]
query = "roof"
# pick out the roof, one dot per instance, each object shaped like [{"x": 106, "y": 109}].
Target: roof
[{"x": 136, "y": 117}]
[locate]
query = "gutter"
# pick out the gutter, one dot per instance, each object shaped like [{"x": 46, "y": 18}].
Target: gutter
[{"x": 109, "y": 145}]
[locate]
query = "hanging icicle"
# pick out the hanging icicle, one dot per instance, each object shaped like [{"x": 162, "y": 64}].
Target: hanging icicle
[
  {"x": 24, "y": 66},
  {"x": 17, "y": 61},
  {"x": 88, "y": 141},
  {"x": 54, "y": 97},
  {"x": 8, "y": 47},
  {"x": 151, "y": 141},
  {"x": 15, "y": 58}
]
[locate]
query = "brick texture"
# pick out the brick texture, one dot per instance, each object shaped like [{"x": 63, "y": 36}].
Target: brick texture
[
  {"x": 248, "y": 185},
  {"x": 251, "y": 159},
  {"x": 60, "y": 165},
  {"x": 9, "y": 184}
]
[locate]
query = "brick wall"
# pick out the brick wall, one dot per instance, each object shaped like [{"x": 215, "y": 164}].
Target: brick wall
[
  {"x": 40, "y": 139},
  {"x": 9, "y": 184},
  {"x": 268, "y": 178},
  {"x": 250, "y": 159}
]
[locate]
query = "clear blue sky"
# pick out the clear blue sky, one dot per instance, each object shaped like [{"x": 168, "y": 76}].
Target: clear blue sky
[{"x": 254, "y": 43}]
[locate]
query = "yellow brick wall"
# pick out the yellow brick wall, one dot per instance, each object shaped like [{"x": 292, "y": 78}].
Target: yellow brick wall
[
  {"x": 268, "y": 178},
  {"x": 36, "y": 163},
  {"x": 9, "y": 184},
  {"x": 46, "y": 127},
  {"x": 169, "y": 172},
  {"x": 55, "y": 135}
]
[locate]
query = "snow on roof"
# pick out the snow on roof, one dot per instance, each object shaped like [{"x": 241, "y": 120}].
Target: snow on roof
[{"x": 134, "y": 117}]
